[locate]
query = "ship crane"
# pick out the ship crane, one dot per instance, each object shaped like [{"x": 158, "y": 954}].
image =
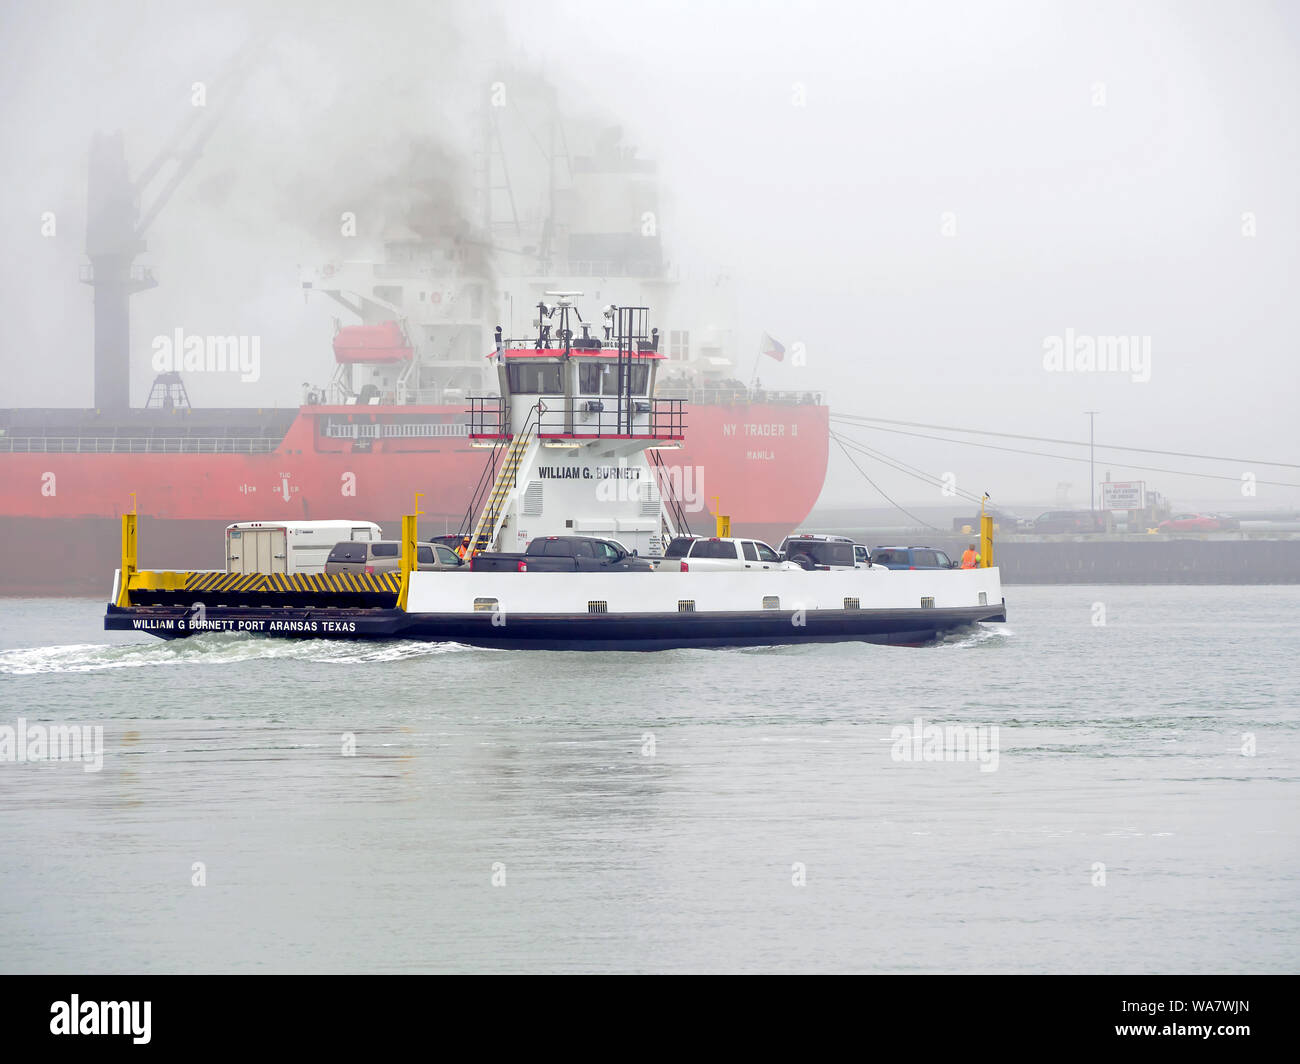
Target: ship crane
[{"x": 116, "y": 228}]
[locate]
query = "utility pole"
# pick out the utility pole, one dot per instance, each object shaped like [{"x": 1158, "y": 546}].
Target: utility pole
[{"x": 1092, "y": 475}]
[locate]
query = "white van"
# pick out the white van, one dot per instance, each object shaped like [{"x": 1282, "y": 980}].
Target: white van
[
  {"x": 290, "y": 546},
  {"x": 702, "y": 554}
]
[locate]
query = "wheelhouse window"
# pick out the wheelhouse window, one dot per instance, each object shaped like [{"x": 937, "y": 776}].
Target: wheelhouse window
[
  {"x": 535, "y": 379},
  {"x": 597, "y": 379},
  {"x": 589, "y": 377}
]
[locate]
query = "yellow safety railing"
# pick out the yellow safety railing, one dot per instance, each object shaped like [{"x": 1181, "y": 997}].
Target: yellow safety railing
[
  {"x": 986, "y": 536},
  {"x": 129, "y": 558},
  {"x": 408, "y": 556}
]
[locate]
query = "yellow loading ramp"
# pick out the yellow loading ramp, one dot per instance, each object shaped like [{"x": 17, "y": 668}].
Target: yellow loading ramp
[{"x": 134, "y": 579}]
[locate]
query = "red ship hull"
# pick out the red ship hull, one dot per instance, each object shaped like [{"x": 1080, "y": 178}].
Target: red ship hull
[
  {"x": 59, "y": 511},
  {"x": 765, "y": 462}
]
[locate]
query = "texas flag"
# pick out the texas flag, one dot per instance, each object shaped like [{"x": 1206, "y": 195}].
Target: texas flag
[{"x": 773, "y": 348}]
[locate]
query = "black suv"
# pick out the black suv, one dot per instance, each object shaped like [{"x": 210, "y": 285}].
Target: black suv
[{"x": 812, "y": 551}]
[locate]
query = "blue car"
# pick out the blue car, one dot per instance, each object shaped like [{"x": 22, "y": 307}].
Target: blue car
[{"x": 911, "y": 558}]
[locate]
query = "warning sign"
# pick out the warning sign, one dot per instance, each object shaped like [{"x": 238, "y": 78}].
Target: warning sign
[{"x": 1130, "y": 495}]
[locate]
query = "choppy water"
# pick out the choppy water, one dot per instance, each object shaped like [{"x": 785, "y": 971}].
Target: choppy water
[{"x": 1119, "y": 744}]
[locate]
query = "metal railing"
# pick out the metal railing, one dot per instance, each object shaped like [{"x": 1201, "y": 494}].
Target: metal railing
[
  {"x": 668, "y": 492},
  {"x": 489, "y": 521},
  {"x": 485, "y": 481},
  {"x": 365, "y": 430},
  {"x": 139, "y": 444},
  {"x": 435, "y": 396},
  {"x": 487, "y": 416},
  {"x": 659, "y": 419},
  {"x": 737, "y": 396}
]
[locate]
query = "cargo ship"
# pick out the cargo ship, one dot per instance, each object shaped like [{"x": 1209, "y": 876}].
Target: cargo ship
[
  {"x": 412, "y": 345},
  {"x": 193, "y": 475}
]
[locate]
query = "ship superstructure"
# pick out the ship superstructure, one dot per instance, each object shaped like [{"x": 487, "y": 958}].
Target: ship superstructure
[{"x": 580, "y": 429}]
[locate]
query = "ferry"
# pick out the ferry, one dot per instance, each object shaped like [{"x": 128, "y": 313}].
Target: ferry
[
  {"x": 580, "y": 434},
  {"x": 385, "y": 415}
]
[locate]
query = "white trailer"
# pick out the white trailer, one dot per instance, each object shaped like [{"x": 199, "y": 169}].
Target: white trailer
[{"x": 290, "y": 546}]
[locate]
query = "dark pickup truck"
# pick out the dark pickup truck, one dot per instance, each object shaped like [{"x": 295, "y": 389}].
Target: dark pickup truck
[{"x": 549, "y": 554}]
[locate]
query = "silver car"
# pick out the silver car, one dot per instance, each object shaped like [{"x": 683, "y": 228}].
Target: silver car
[{"x": 385, "y": 556}]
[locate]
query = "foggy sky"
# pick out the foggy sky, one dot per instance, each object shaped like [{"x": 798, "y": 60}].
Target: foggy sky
[{"x": 815, "y": 150}]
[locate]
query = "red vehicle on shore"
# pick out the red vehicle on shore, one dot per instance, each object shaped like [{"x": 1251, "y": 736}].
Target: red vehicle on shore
[{"x": 1199, "y": 523}]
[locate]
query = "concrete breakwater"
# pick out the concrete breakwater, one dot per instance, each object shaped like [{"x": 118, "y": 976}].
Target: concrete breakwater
[
  {"x": 1214, "y": 558},
  {"x": 1147, "y": 560}
]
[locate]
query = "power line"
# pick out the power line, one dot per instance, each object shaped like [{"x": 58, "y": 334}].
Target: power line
[
  {"x": 901, "y": 466},
  {"x": 1071, "y": 458},
  {"x": 1070, "y": 443},
  {"x": 881, "y": 490}
]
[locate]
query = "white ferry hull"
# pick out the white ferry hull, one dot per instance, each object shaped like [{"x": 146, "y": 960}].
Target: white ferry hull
[{"x": 626, "y": 611}]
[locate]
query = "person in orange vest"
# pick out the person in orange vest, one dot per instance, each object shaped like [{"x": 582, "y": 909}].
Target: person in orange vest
[{"x": 970, "y": 559}]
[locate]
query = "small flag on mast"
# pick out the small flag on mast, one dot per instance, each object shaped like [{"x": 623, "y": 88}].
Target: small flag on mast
[{"x": 773, "y": 348}]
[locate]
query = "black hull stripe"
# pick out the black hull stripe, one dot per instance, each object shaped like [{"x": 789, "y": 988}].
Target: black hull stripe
[{"x": 645, "y": 631}]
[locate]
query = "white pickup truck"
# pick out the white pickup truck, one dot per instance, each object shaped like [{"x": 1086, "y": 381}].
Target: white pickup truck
[{"x": 701, "y": 554}]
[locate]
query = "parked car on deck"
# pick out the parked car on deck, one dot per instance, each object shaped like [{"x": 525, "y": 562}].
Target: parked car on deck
[
  {"x": 911, "y": 558},
  {"x": 702, "y": 554},
  {"x": 811, "y": 550},
  {"x": 385, "y": 556},
  {"x": 563, "y": 554}
]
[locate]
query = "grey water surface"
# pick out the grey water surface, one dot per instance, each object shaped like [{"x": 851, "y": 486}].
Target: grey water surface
[{"x": 733, "y": 810}]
